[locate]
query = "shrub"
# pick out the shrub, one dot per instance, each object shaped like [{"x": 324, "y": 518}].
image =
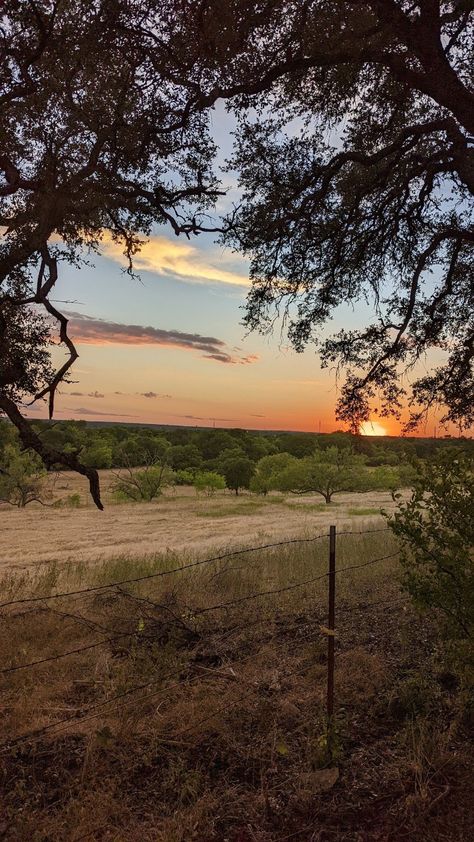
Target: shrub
[
  {"x": 436, "y": 529},
  {"x": 21, "y": 477},
  {"x": 144, "y": 485},
  {"x": 208, "y": 482},
  {"x": 184, "y": 478},
  {"x": 73, "y": 501}
]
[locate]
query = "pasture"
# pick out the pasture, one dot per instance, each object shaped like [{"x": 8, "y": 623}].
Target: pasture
[
  {"x": 178, "y": 521},
  {"x": 167, "y": 697}
]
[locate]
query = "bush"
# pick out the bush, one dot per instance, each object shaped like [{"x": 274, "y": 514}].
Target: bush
[
  {"x": 208, "y": 482},
  {"x": 184, "y": 478},
  {"x": 143, "y": 485},
  {"x": 21, "y": 477},
  {"x": 436, "y": 529},
  {"x": 73, "y": 501}
]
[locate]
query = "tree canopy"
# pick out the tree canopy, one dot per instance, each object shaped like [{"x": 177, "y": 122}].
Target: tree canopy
[
  {"x": 99, "y": 142},
  {"x": 355, "y": 156},
  {"x": 358, "y": 183}
]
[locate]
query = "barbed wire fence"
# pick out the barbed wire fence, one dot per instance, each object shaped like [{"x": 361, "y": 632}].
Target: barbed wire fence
[{"x": 141, "y": 694}]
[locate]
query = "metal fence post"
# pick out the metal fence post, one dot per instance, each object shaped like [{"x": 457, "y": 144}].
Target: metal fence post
[{"x": 331, "y": 621}]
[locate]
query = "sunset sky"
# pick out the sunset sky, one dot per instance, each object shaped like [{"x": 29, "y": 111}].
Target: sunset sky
[{"x": 171, "y": 350}]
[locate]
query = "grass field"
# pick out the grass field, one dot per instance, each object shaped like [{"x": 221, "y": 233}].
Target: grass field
[
  {"x": 179, "y": 521},
  {"x": 193, "y": 712}
]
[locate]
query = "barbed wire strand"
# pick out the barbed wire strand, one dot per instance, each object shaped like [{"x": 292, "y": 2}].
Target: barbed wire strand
[
  {"x": 277, "y": 591},
  {"x": 182, "y": 568},
  {"x": 79, "y": 719},
  {"x": 200, "y": 612},
  {"x": 161, "y": 573}
]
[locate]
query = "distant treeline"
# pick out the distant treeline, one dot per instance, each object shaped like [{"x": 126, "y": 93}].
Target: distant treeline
[{"x": 188, "y": 449}]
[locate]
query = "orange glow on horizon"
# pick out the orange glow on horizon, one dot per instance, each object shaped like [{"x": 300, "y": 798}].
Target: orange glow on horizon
[{"x": 372, "y": 428}]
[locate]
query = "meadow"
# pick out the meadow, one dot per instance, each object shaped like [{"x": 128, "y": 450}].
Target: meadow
[
  {"x": 168, "y": 697},
  {"x": 180, "y": 520}
]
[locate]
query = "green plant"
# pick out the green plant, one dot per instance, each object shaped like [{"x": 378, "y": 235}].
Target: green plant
[
  {"x": 21, "y": 477},
  {"x": 73, "y": 501},
  {"x": 325, "y": 473},
  {"x": 208, "y": 482},
  {"x": 238, "y": 470},
  {"x": 436, "y": 530},
  {"x": 144, "y": 485}
]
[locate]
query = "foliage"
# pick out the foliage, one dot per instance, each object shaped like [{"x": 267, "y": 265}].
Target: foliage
[
  {"x": 21, "y": 477},
  {"x": 436, "y": 530},
  {"x": 185, "y": 457},
  {"x": 237, "y": 469},
  {"x": 97, "y": 455},
  {"x": 73, "y": 501},
  {"x": 184, "y": 477},
  {"x": 323, "y": 473},
  {"x": 267, "y": 470},
  {"x": 82, "y": 168},
  {"x": 358, "y": 183},
  {"x": 143, "y": 485},
  {"x": 208, "y": 482}
]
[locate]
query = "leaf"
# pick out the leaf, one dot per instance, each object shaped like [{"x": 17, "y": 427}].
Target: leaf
[
  {"x": 141, "y": 624},
  {"x": 282, "y": 748}
]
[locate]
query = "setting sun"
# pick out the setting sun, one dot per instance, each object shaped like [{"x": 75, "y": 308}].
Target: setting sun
[{"x": 372, "y": 428}]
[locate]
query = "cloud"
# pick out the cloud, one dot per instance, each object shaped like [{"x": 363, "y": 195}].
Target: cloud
[
  {"x": 209, "y": 418},
  {"x": 253, "y": 415},
  {"x": 153, "y": 395},
  {"x": 84, "y": 410},
  {"x": 88, "y": 330},
  {"x": 178, "y": 258},
  {"x": 95, "y": 394}
]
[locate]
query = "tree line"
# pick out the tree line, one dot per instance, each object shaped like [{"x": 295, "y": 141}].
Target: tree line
[{"x": 145, "y": 460}]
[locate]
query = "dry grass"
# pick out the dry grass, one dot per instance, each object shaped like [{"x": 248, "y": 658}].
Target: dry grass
[
  {"x": 180, "y": 521},
  {"x": 219, "y": 731}
]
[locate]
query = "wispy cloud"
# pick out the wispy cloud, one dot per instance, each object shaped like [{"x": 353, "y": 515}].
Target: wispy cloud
[
  {"x": 84, "y": 410},
  {"x": 152, "y": 395},
  {"x": 95, "y": 394},
  {"x": 208, "y": 418},
  {"x": 88, "y": 330},
  {"x": 180, "y": 259}
]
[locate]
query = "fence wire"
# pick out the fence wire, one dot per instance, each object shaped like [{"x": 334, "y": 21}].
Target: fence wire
[{"x": 121, "y": 699}]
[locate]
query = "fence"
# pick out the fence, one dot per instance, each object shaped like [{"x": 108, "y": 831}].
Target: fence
[{"x": 187, "y": 622}]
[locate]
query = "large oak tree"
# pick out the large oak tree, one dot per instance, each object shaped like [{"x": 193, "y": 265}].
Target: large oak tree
[
  {"x": 100, "y": 137},
  {"x": 357, "y": 165}
]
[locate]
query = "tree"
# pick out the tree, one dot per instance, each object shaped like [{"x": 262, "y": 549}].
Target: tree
[
  {"x": 143, "y": 485},
  {"x": 265, "y": 478},
  {"x": 21, "y": 478},
  {"x": 358, "y": 182},
  {"x": 185, "y": 457},
  {"x": 97, "y": 455},
  {"x": 436, "y": 530},
  {"x": 208, "y": 482},
  {"x": 237, "y": 469},
  {"x": 324, "y": 473},
  {"x": 102, "y": 138}
]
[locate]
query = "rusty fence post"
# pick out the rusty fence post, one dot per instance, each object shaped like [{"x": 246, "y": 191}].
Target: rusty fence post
[{"x": 331, "y": 623}]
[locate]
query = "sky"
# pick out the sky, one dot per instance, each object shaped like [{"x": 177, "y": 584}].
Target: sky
[{"x": 171, "y": 349}]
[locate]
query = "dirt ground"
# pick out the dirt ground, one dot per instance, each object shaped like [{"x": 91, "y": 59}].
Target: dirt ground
[{"x": 178, "y": 521}]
